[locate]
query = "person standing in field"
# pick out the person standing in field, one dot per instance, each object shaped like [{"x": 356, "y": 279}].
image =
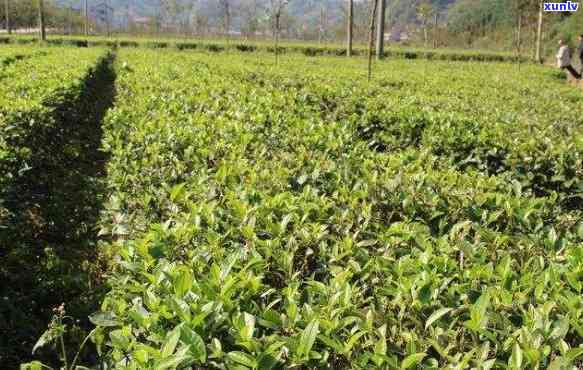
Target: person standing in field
[{"x": 564, "y": 59}]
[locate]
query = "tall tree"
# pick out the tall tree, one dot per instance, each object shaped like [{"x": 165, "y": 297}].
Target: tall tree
[
  {"x": 321, "y": 27},
  {"x": 41, "y": 20},
  {"x": 172, "y": 10},
  {"x": 250, "y": 10},
  {"x": 277, "y": 7},
  {"x": 69, "y": 18},
  {"x": 350, "y": 28},
  {"x": 86, "y": 16},
  {"x": 7, "y": 13},
  {"x": 128, "y": 18},
  {"x": 108, "y": 15},
  {"x": 371, "y": 37},
  {"x": 435, "y": 28},
  {"x": 521, "y": 5},
  {"x": 381, "y": 29},
  {"x": 226, "y": 14},
  {"x": 539, "y": 33},
  {"x": 423, "y": 13}
]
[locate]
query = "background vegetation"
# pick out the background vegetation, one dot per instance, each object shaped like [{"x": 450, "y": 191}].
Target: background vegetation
[{"x": 477, "y": 24}]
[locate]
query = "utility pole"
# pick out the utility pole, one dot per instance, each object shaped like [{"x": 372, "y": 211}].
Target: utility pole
[
  {"x": 108, "y": 15},
  {"x": 435, "y": 30},
  {"x": 276, "y": 9},
  {"x": 277, "y": 25},
  {"x": 41, "y": 20},
  {"x": 519, "y": 39},
  {"x": 539, "y": 33},
  {"x": 69, "y": 20},
  {"x": 228, "y": 19},
  {"x": 86, "y": 10},
  {"x": 350, "y": 28},
  {"x": 7, "y": 12},
  {"x": 381, "y": 30},
  {"x": 128, "y": 18},
  {"x": 321, "y": 33}
]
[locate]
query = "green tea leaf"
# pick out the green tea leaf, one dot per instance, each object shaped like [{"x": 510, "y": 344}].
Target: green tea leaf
[
  {"x": 308, "y": 338},
  {"x": 412, "y": 360},
  {"x": 171, "y": 362},
  {"x": 478, "y": 312},
  {"x": 106, "y": 319},
  {"x": 243, "y": 359},
  {"x": 515, "y": 361},
  {"x": 171, "y": 341},
  {"x": 195, "y": 343},
  {"x": 436, "y": 316},
  {"x": 574, "y": 353},
  {"x": 560, "y": 328}
]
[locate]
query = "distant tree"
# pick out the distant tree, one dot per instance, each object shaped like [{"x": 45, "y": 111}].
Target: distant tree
[
  {"x": 539, "y": 32},
  {"x": 41, "y": 20},
  {"x": 185, "y": 17},
  {"x": 371, "y": 36},
  {"x": 381, "y": 29},
  {"x": 201, "y": 21},
  {"x": 362, "y": 11},
  {"x": 22, "y": 13},
  {"x": 322, "y": 24},
  {"x": 64, "y": 18},
  {"x": 525, "y": 11},
  {"x": 250, "y": 17},
  {"x": 424, "y": 11},
  {"x": 435, "y": 27},
  {"x": 474, "y": 19},
  {"x": 277, "y": 7},
  {"x": 156, "y": 21},
  {"x": 171, "y": 10},
  {"x": 7, "y": 16},
  {"x": 86, "y": 17},
  {"x": 108, "y": 19},
  {"x": 225, "y": 6},
  {"x": 350, "y": 28}
]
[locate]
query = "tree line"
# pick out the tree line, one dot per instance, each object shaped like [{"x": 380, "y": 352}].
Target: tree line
[
  {"x": 24, "y": 14},
  {"x": 516, "y": 25}
]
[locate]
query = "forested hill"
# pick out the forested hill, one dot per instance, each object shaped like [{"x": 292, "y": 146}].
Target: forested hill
[
  {"x": 467, "y": 23},
  {"x": 399, "y": 11},
  {"x": 405, "y": 11}
]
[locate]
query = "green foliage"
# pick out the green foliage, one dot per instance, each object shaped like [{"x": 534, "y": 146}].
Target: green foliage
[
  {"x": 296, "y": 217},
  {"x": 9, "y": 55},
  {"x": 293, "y": 48},
  {"x": 32, "y": 105},
  {"x": 289, "y": 217},
  {"x": 469, "y": 16},
  {"x": 51, "y": 103},
  {"x": 24, "y": 14}
]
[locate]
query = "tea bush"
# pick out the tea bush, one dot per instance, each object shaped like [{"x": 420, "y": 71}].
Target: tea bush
[
  {"x": 11, "y": 54},
  {"x": 308, "y": 49},
  {"x": 32, "y": 100},
  {"x": 50, "y": 107},
  {"x": 304, "y": 218}
]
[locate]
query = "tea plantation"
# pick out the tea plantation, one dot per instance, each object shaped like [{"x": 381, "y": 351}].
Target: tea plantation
[{"x": 300, "y": 216}]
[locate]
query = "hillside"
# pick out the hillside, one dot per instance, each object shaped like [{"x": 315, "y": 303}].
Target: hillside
[
  {"x": 399, "y": 12},
  {"x": 484, "y": 24}
]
